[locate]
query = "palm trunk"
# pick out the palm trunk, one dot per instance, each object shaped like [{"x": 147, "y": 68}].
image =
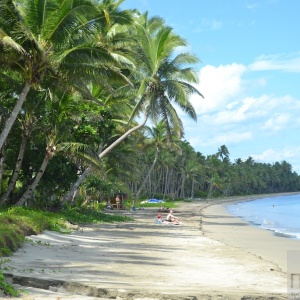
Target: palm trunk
[
  {"x": 192, "y": 191},
  {"x": 145, "y": 179},
  {"x": 11, "y": 120},
  {"x": 211, "y": 188},
  {"x": 37, "y": 179},
  {"x": 81, "y": 178},
  {"x": 157, "y": 186},
  {"x": 15, "y": 175},
  {"x": 166, "y": 181},
  {"x": 2, "y": 159},
  {"x": 225, "y": 193},
  {"x": 182, "y": 186}
]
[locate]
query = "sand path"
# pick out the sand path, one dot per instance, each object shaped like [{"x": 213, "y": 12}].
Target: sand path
[{"x": 142, "y": 260}]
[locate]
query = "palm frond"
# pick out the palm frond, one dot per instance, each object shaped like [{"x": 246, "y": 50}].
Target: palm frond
[
  {"x": 69, "y": 21},
  {"x": 36, "y": 13},
  {"x": 9, "y": 44},
  {"x": 9, "y": 16},
  {"x": 80, "y": 153}
]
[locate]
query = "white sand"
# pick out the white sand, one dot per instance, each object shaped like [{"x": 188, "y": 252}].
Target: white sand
[{"x": 230, "y": 260}]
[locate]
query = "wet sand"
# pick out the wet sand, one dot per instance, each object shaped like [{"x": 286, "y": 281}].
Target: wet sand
[{"x": 219, "y": 225}]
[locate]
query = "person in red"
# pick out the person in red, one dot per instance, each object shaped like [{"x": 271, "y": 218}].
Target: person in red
[
  {"x": 159, "y": 219},
  {"x": 118, "y": 201}
]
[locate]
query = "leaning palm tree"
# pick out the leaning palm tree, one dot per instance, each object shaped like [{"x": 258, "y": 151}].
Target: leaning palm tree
[
  {"x": 165, "y": 78},
  {"x": 162, "y": 79}
]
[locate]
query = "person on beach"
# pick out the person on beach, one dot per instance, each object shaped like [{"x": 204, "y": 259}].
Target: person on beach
[
  {"x": 118, "y": 200},
  {"x": 159, "y": 219},
  {"x": 109, "y": 205},
  {"x": 171, "y": 218}
]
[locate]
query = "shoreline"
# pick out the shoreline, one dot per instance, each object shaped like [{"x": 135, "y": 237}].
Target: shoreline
[{"x": 219, "y": 224}]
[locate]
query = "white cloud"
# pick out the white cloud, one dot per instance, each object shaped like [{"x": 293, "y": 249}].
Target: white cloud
[
  {"x": 232, "y": 138},
  {"x": 252, "y": 6},
  {"x": 214, "y": 24},
  {"x": 218, "y": 85},
  {"x": 224, "y": 89},
  {"x": 208, "y": 25},
  {"x": 277, "y": 122},
  {"x": 287, "y": 63},
  {"x": 239, "y": 112},
  {"x": 289, "y": 154},
  {"x": 236, "y": 112},
  {"x": 220, "y": 139}
]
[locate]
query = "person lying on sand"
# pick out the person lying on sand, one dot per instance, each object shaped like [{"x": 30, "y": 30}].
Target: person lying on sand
[{"x": 163, "y": 209}]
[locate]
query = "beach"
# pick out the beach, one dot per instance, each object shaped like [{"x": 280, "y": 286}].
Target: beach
[
  {"x": 219, "y": 225},
  {"x": 212, "y": 255}
]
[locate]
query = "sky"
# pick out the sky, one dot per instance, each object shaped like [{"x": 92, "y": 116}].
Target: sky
[{"x": 249, "y": 74}]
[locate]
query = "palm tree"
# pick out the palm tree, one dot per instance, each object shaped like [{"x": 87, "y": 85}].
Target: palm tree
[
  {"x": 28, "y": 123},
  {"x": 161, "y": 78},
  {"x": 57, "y": 127},
  {"x": 158, "y": 138},
  {"x": 223, "y": 153},
  {"x": 44, "y": 40},
  {"x": 165, "y": 78}
]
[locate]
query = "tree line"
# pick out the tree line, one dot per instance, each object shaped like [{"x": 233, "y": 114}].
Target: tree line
[{"x": 80, "y": 82}]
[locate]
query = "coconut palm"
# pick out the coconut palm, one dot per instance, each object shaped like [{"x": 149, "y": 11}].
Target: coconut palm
[
  {"x": 223, "y": 153},
  {"x": 166, "y": 78},
  {"x": 28, "y": 121},
  {"x": 44, "y": 40},
  {"x": 162, "y": 79},
  {"x": 57, "y": 123}
]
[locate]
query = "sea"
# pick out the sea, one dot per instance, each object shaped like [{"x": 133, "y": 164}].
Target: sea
[{"x": 280, "y": 214}]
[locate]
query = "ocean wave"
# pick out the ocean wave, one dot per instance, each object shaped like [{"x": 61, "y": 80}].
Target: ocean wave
[{"x": 278, "y": 214}]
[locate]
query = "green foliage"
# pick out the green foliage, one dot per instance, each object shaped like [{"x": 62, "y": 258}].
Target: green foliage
[
  {"x": 6, "y": 288},
  {"x": 187, "y": 174},
  {"x": 158, "y": 196},
  {"x": 168, "y": 204},
  {"x": 87, "y": 215},
  {"x": 161, "y": 76},
  {"x": 200, "y": 194}
]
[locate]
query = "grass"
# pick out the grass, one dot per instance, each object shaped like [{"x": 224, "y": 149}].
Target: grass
[
  {"x": 167, "y": 204},
  {"x": 19, "y": 222}
]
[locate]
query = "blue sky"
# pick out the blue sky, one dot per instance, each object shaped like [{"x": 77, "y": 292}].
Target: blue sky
[{"x": 249, "y": 74}]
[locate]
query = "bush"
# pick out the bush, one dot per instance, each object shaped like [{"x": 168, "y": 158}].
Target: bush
[{"x": 200, "y": 194}]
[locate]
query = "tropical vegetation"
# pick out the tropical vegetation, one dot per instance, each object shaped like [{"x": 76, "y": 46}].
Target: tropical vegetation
[{"x": 90, "y": 95}]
